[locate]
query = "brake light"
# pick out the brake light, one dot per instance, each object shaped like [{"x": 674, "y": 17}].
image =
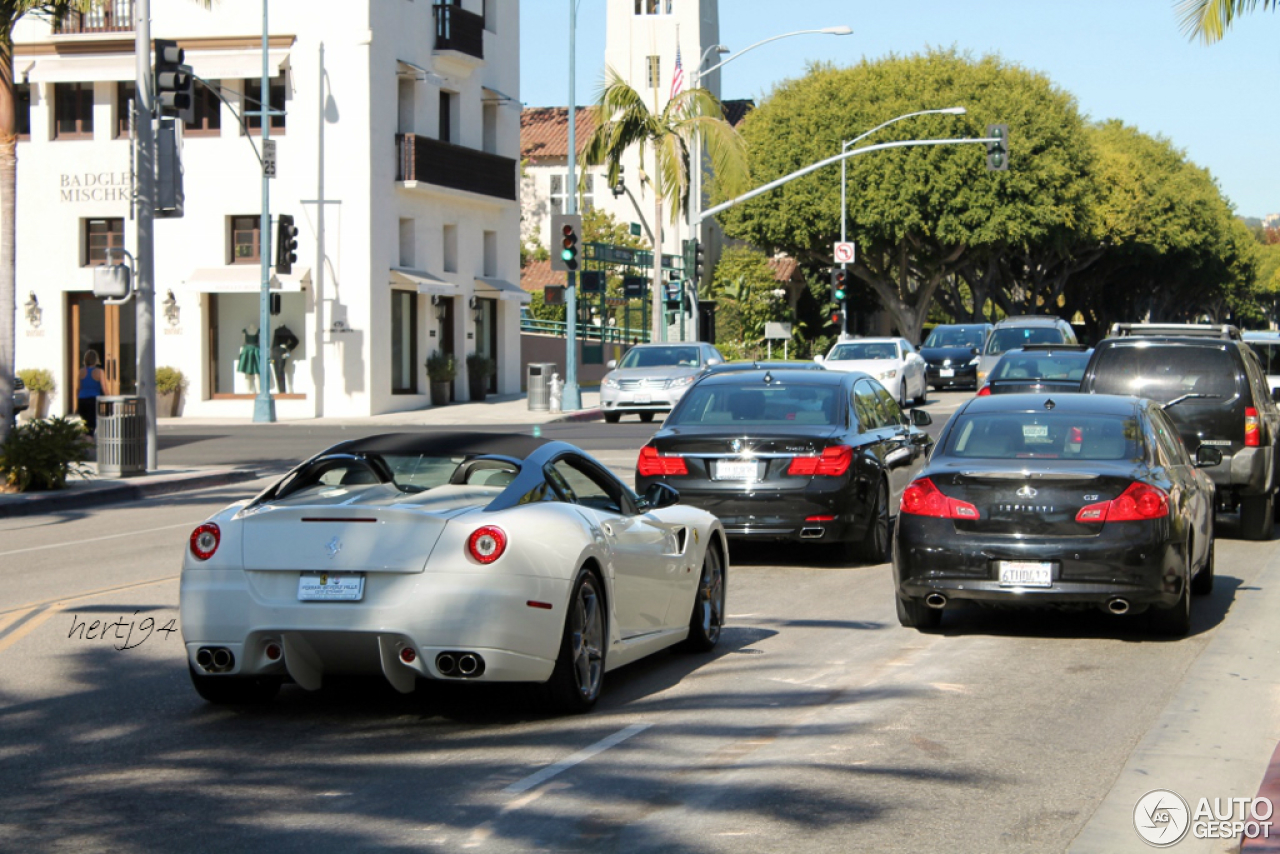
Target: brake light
[
  {"x": 984, "y": 391},
  {"x": 1140, "y": 501},
  {"x": 205, "y": 540},
  {"x": 652, "y": 464},
  {"x": 1252, "y": 429},
  {"x": 487, "y": 544},
  {"x": 834, "y": 462},
  {"x": 922, "y": 498}
]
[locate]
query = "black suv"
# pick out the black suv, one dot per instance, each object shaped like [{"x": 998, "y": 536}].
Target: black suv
[{"x": 1216, "y": 392}]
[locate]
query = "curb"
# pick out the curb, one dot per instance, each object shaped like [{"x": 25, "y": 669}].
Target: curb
[
  {"x": 596, "y": 414},
  {"x": 101, "y": 492}
]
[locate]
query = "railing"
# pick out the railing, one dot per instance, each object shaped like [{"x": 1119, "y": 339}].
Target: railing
[
  {"x": 586, "y": 331},
  {"x": 421, "y": 158},
  {"x": 460, "y": 30},
  {"x": 115, "y": 16}
]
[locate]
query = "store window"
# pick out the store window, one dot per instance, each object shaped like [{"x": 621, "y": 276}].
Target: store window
[
  {"x": 99, "y": 236},
  {"x": 73, "y": 110},
  {"x": 126, "y": 93},
  {"x": 246, "y": 244},
  {"x": 253, "y": 101},
  {"x": 233, "y": 329},
  {"x": 404, "y": 342}
]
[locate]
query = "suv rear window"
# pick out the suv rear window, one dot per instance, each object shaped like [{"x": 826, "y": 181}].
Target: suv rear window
[
  {"x": 1018, "y": 336},
  {"x": 1165, "y": 373}
]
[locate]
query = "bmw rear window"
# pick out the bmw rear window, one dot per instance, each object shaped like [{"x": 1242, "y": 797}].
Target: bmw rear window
[
  {"x": 1046, "y": 435},
  {"x": 1167, "y": 372},
  {"x": 707, "y": 404}
]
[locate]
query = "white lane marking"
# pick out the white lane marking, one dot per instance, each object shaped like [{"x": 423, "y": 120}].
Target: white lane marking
[
  {"x": 97, "y": 539},
  {"x": 521, "y": 786}
]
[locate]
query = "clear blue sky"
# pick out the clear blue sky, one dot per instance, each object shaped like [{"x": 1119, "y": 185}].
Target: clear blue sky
[{"x": 1123, "y": 59}]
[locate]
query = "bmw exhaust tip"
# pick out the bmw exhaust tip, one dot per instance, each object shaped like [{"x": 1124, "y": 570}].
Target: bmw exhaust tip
[
  {"x": 1118, "y": 606},
  {"x": 810, "y": 533},
  {"x": 936, "y": 600}
]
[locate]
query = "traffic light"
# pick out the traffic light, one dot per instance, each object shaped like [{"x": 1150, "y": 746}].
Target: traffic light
[
  {"x": 839, "y": 285},
  {"x": 553, "y": 295},
  {"x": 566, "y": 230},
  {"x": 699, "y": 261},
  {"x": 174, "y": 85},
  {"x": 998, "y": 152},
  {"x": 286, "y": 244}
]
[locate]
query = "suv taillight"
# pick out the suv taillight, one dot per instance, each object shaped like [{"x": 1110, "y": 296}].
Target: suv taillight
[{"x": 1252, "y": 429}]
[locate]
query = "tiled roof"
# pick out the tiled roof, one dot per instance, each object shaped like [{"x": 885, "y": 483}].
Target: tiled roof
[
  {"x": 784, "y": 268},
  {"x": 544, "y": 131},
  {"x": 538, "y": 274}
]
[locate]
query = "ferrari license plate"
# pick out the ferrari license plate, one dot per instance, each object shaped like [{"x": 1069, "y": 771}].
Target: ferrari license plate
[
  {"x": 330, "y": 587},
  {"x": 946, "y": 372},
  {"x": 1025, "y": 573},
  {"x": 736, "y": 470}
]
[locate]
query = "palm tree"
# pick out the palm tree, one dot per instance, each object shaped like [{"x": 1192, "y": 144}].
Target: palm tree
[
  {"x": 1209, "y": 19},
  {"x": 623, "y": 120}
]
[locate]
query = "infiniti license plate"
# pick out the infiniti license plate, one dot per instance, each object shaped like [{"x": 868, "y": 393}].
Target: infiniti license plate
[
  {"x": 736, "y": 470},
  {"x": 1025, "y": 573},
  {"x": 330, "y": 587}
]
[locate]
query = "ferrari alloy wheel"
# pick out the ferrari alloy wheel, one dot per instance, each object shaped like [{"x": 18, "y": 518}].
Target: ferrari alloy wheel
[
  {"x": 235, "y": 690},
  {"x": 708, "y": 605},
  {"x": 575, "y": 683}
]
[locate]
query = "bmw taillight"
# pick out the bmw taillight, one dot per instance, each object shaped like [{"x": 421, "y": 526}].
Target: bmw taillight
[
  {"x": 487, "y": 544},
  {"x": 652, "y": 464},
  {"x": 1252, "y": 429},
  {"x": 205, "y": 540},
  {"x": 1139, "y": 502},
  {"x": 922, "y": 498},
  {"x": 984, "y": 391},
  {"x": 834, "y": 462}
]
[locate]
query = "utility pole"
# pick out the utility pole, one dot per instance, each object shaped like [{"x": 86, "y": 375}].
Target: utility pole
[
  {"x": 264, "y": 405},
  {"x": 571, "y": 399},
  {"x": 145, "y": 255}
]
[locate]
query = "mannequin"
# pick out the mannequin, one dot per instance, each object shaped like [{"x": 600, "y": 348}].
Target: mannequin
[
  {"x": 283, "y": 341},
  {"x": 249, "y": 362}
]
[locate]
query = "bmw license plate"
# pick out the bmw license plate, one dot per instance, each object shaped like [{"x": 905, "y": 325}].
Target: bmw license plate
[
  {"x": 946, "y": 372},
  {"x": 1025, "y": 573},
  {"x": 736, "y": 470},
  {"x": 330, "y": 587}
]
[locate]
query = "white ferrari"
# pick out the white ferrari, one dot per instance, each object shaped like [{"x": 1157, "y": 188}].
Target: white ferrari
[{"x": 489, "y": 558}]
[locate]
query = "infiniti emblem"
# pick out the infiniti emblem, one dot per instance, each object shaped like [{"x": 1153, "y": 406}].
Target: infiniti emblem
[
  {"x": 1026, "y": 492},
  {"x": 334, "y": 546}
]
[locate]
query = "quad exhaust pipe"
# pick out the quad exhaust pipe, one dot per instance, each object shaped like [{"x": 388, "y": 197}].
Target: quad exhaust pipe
[
  {"x": 936, "y": 600},
  {"x": 1118, "y": 606},
  {"x": 460, "y": 665}
]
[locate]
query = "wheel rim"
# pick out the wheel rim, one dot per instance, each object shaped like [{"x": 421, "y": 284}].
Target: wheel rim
[
  {"x": 711, "y": 596},
  {"x": 881, "y": 534},
  {"x": 587, "y": 635}
]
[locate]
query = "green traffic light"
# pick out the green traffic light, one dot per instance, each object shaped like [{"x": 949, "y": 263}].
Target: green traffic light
[
  {"x": 567, "y": 254},
  {"x": 839, "y": 295}
]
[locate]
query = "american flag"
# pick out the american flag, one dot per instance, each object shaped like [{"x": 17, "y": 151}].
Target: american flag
[{"x": 677, "y": 76}]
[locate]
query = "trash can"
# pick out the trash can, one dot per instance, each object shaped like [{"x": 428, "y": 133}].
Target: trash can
[
  {"x": 122, "y": 436},
  {"x": 539, "y": 384}
]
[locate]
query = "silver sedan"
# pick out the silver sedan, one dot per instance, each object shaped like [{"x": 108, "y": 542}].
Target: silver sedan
[{"x": 653, "y": 377}]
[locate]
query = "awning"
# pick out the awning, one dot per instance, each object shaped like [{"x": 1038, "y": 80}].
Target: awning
[
  {"x": 207, "y": 64},
  {"x": 242, "y": 279},
  {"x": 425, "y": 283},
  {"x": 502, "y": 289},
  {"x": 234, "y": 64}
]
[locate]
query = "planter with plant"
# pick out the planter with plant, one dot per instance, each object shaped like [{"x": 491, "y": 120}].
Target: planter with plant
[
  {"x": 170, "y": 384},
  {"x": 40, "y": 387},
  {"x": 479, "y": 369},
  {"x": 41, "y": 454},
  {"x": 441, "y": 370}
]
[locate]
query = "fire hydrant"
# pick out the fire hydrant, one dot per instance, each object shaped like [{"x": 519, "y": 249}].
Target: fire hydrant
[{"x": 557, "y": 392}]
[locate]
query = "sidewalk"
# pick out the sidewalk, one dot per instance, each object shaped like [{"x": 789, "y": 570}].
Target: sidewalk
[{"x": 94, "y": 490}]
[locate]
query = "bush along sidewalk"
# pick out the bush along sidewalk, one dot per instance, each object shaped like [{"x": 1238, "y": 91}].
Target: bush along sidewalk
[{"x": 42, "y": 454}]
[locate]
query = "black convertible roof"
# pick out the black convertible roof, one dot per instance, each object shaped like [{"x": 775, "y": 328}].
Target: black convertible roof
[{"x": 516, "y": 445}]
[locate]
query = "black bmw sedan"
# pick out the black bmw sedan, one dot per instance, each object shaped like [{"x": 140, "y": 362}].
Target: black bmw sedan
[
  {"x": 812, "y": 456},
  {"x": 1073, "y": 500}
]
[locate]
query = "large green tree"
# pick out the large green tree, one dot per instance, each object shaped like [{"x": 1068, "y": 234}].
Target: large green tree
[
  {"x": 1209, "y": 20},
  {"x": 919, "y": 215},
  {"x": 624, "y": 121}
]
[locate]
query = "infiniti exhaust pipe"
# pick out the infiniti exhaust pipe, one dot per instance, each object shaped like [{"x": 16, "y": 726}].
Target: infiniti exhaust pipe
[
  {"x": 935, "y": 600},
  {"x": 1118, "y": 606}
]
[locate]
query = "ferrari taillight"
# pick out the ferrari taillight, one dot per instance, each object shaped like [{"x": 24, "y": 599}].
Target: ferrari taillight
[
  {"x": 205, "y": 540},
  {"x": 487, "y": 544},
  {"x": 922, "y": 498},
  {"x": 652, "y": 464},
  {"x": 835, "y": 461},
  {"x": 1252, "y": 429},
  {"x": 984, "y": 391},
  {"x": 1139, "y": 502}
]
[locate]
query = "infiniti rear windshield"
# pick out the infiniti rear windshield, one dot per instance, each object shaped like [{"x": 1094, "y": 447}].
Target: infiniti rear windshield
[
  {"x": 1164, "y": 373},
  {"x": 1046, "y": 435}
]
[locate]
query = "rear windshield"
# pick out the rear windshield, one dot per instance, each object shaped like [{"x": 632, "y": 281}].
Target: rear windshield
[
  {"x": 1165, "y": 373},
  {"x": 655, "y": 357},
  {"x": 779, "y": 405},
  {"x": 860, "y": 351},
  {"x": 955, "y": 337},
  {"x": 1045, "y": 366},
  {"x": 1013, "y": 337},
  {"x": 1046, "y": 435},
  {"x": 333, "y": 475}
]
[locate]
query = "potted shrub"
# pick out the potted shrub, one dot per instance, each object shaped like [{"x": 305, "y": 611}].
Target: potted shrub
[
  {"x": 479, "y": 369},
  {"x": 170, "y": 384},
  {"x": 41, "y": 454},
  {"x": 40, "y": 387},
  {"x": 441, "y": 369}
]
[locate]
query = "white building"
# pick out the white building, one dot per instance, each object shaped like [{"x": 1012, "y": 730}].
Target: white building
[{"x": 397, "y": 156}]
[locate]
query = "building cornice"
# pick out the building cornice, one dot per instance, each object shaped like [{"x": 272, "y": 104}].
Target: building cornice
[{"x": 82, "y": 47}]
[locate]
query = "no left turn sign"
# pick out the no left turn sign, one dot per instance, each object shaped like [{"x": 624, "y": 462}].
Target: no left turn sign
[{"x": 843, "y": 253}]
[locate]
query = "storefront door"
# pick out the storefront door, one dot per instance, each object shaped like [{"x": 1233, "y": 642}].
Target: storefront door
[{"x": 111, "y": 331}]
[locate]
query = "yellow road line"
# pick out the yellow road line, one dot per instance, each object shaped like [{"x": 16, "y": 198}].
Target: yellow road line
[
  {"x": 31, "y": 625},
  {"x": 57, "y": 606},
  {"x": 66, "y": 600}
]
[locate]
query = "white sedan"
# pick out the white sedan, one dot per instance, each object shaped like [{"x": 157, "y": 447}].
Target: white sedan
[
  {"x": 892, "y": 361},
  {"x": 490, "y": 558}
]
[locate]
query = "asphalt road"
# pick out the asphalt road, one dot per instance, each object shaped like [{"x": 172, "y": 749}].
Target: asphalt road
[{"x": 818, "y": 725}]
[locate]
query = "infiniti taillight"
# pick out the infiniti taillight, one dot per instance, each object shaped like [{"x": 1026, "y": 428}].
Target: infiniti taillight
[
  {"x": 984, "y": 391},
  {"x": 204, "y": 541},
  {"x": 651, "y": 463},
  {"x": 1139, "y": 502},
  {"x": 834, "y": 462},
  {"x": 487, "y": 544},
  {"x": 922, "y": 498},
  {"x": 1252, "y": 429}
]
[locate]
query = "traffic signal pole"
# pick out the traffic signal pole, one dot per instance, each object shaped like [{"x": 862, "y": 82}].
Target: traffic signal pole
[
  {"x": 264, "y": 405},
  {"x": 571, "y": 399},
  {"x": 145, "y": 251}
]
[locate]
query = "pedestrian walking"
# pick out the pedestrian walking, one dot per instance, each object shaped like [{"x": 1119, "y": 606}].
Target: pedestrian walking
[{"x": 89, "y": 383}]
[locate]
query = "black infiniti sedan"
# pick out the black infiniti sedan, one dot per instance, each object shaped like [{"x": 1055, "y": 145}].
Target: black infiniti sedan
[
  {"x": 804, "y": 455},
  {"x": 1074, "y": 500}
]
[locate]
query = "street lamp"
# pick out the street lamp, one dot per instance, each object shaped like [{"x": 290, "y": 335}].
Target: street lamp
[{"x": 844, "y": 216}]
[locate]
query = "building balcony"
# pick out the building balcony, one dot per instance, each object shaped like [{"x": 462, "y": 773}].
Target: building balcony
[
  {"x": 114, "y": 16},
  {"x": 459, "y": 30},
  {"x": 430, "y": 161}
]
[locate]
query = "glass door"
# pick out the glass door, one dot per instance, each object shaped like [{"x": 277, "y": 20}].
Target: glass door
[{"x": 111, "y": 331}]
